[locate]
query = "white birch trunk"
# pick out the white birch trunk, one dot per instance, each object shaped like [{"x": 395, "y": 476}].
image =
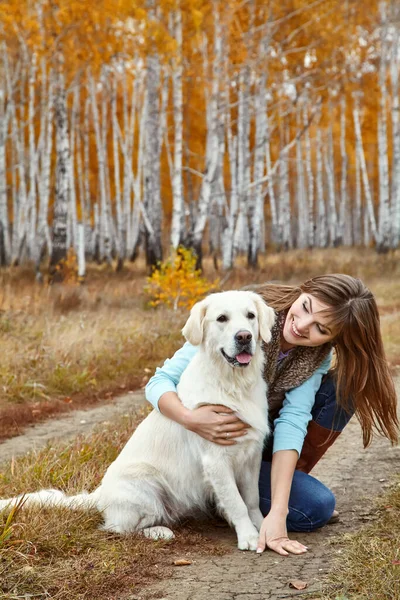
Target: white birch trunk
[
  {"x": 284, "y": 214},
  {"x": 152, "y": 193},
  {"x": 32, "y": 207},
  {"x": 177, "y": 223},
  {"x": 384, "y": 225},
  {"x": 212, "y": 141},
  {"x": 357, "y": 214},
  {"x": 43, "y": 231},
  {"x": 17, "y": 139},
  {"x": 62, "y": 189},
  {"x": 395, "y": 118},
  {"x": 329, "y": 160},
  {"x": 310, "y": 176},
  {"x": 322, "y": 234},
  {"x": 271, "y": 190},
  {"x": 245, "y": 207},
  {"x": 5, "y": 113},
  {"x": 302, "y": 204},
  {"x": 81, "y": 252},
  {"x": 231, "y": 216},
  {"x": 121, "y": 239},
  {"x": 105, "y": 238},
  {"x": 257, "y": 219},
  {"x": 344, "y": 213},
  {"x": 73, "y": 219},
  {"x": 364, "y": 171}
]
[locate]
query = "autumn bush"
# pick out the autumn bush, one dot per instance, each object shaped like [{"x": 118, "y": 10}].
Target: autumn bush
[{"x": 177, "y": 283}]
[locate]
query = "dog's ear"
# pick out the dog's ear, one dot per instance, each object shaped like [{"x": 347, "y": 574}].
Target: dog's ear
[
  {"x": 193, "y": 329},
  {"x": 266, "y": 318}
]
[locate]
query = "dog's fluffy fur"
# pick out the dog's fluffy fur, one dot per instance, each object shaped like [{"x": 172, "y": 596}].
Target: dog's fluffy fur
[{"x": 165, "y": 471}]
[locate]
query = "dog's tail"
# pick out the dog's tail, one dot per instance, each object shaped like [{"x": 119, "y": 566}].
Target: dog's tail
[{"x": 51, "y": 498}]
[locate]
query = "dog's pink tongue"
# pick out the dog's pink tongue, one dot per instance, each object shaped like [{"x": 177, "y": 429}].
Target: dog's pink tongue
[{"x": 244, "y": 358}]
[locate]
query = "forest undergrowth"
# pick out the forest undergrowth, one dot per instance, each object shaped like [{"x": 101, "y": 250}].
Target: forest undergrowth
[{"x": 70, "y": 346}]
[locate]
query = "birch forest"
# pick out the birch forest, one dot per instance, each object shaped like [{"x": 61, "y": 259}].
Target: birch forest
[{"x": 233, "y": 128}]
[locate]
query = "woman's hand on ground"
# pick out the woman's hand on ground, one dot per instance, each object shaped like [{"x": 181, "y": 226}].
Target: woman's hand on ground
[
  {"x": 273, "y": 535},
  {"x": 216, "y": 423}
]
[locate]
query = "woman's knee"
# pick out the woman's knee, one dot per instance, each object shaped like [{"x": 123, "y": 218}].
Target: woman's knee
[{"x": 314, "y": 511}]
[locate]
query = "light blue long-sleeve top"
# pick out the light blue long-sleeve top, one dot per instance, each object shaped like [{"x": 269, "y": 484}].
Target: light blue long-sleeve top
[{"x": 294, "y": 416}]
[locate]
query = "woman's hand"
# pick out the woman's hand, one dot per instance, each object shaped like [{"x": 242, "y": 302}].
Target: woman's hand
[
  {"x": 216, "y": 423},
  {"x": 273, "y": 535}
]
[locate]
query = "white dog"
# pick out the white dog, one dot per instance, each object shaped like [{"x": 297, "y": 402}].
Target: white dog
[{"x": 166, "y": 472}]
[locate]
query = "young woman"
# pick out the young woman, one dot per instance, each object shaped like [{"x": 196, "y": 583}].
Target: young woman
[{"x": 310, "y": 402}]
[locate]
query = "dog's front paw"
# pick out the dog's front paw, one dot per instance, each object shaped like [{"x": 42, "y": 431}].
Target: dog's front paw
[
  {"x": 248, "y": 542},
  {"x": 158, "y": 533}
]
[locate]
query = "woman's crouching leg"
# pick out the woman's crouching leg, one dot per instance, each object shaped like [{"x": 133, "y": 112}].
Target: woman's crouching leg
[{"x": 311, "y": 503}]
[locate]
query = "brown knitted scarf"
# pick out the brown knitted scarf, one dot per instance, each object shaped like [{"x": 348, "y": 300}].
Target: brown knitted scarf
[{"x": 292, "y": 370}]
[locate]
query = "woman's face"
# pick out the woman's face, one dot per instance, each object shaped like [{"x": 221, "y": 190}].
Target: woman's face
[{"x": 305, "y": 324}]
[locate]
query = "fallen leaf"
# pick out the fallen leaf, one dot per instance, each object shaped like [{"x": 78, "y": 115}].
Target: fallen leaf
[
  {"x": 182, "y": 562},
  {"x": 298, "y": 585},
  {"x": 395, "y": 562}
]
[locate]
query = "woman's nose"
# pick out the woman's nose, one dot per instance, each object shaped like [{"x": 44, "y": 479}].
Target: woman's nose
[{"x": 303, "y": 324}]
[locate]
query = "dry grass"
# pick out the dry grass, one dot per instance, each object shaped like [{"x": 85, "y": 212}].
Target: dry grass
[
  {"x": 63, "y": 347},
  {"x": 62, "y": 554},
  {"x": 368, "y": 562}
]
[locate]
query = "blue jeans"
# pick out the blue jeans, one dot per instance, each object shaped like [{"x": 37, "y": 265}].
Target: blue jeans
[{"x": 311, "y": 503}]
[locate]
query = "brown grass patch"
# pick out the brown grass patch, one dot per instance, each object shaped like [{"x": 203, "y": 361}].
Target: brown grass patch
[
  {"x": 62, "y": 554},
  {"x": 368, "y": 565}
]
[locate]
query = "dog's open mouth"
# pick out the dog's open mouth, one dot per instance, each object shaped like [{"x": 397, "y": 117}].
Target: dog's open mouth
[{"x": 239, "y": 360}]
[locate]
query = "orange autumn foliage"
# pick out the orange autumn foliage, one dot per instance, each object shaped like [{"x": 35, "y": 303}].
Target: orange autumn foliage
[{"x": 99, "y": 35}]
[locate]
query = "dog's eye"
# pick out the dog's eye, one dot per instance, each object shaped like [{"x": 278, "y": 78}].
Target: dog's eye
[
  {"x": 222, "y": 318},
  {"x": 251, "y": 315}
]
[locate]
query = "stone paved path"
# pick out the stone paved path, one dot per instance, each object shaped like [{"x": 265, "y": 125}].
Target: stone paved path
[{"x": 355, "y": 475}]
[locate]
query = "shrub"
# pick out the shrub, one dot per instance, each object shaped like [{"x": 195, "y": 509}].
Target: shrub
[{"x": 177, "y": 283}]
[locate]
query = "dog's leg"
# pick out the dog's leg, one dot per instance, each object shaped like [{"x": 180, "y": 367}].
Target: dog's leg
[
  {"x": 134, "y": 506},
  {"x": 221, "y": 478},
  {"x": 248, "y": 487}
]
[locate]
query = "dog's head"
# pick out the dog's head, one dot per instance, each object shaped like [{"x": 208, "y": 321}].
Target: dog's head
[{"x": 230, "y": 323}]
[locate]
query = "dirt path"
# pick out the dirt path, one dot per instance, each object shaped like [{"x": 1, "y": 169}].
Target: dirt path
[
  {"x": 356, "y": 477},
  {"x": 68, "y": 426}
]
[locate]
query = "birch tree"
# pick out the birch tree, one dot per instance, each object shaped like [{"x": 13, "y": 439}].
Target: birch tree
[
  {"x": 383, "y": 158},
  {"x": 152, "y": 193},
  {"x": 62, "y": 175},
  {"x": 212, "y": 141},
  {"x": 177, "y": 223}
]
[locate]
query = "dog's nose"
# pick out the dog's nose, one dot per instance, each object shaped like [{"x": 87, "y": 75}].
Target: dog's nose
[{"x": 243, "y": 337}]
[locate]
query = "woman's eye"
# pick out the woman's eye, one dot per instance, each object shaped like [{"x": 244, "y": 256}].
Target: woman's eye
[
  {"x": 322, "y": 331},
  {"x": 251, "y": 315},
  {"x": 222, "y": 318},
  {"x": 305, "y": 307}
]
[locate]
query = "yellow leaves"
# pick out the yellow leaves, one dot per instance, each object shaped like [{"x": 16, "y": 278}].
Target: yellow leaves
[
  {"x": 177, "y": 283},
  {"x": 67, "y": 269}
]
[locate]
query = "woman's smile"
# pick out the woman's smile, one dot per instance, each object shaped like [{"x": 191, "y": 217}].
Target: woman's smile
[
  {"x": 295, "y": 331},
  {"x": 306, "y": 324}
]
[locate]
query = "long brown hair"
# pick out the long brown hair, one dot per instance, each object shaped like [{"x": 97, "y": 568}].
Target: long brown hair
[{"x": 361, "y": 371}]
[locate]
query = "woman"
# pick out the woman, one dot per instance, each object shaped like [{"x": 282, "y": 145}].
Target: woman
[{"x": 309, "y": 404}]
